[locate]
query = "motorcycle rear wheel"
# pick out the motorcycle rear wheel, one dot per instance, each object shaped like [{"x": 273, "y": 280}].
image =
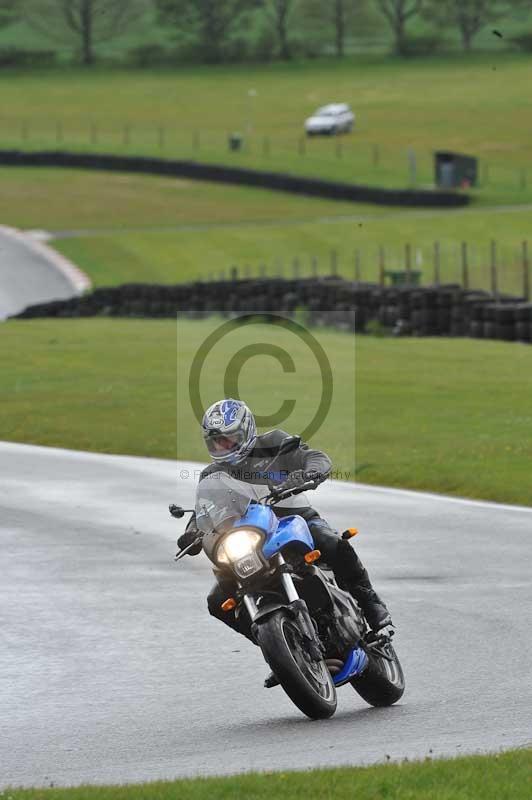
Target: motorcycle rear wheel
[
  {"x": 308, "y": 684},
  {"x": 382, "y": 683}
]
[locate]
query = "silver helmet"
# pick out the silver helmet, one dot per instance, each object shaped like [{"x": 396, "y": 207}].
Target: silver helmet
[{"x": 229, "y": 431}]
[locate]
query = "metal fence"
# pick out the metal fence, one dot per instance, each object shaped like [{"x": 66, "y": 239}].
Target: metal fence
[{"x": 465, "y": 266}]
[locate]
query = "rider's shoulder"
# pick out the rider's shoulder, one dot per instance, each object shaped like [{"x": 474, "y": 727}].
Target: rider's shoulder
[
  {"x": 210, "y": 469},
  {"x": 277, "y": 437}
]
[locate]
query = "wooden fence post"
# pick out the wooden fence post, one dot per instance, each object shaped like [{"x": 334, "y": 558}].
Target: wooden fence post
[
  {"x": 357, "y": 266},
  {"x": 437, "y": 263},
  {"x": 493, "y": 259},
  {"x": 412, "y": 166},
  {"x": 526, "y": 272},
  {"x": 408, "y": 263},
  {"x": 465, "y": 267},
  {"x": 382, "y": 264},
  {"x": 334, "y": 263},
  {"x": 295, "y": 268}
]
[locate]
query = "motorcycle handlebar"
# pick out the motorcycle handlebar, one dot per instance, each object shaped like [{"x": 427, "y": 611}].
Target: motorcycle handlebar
[{"x": 275, "y": 497}]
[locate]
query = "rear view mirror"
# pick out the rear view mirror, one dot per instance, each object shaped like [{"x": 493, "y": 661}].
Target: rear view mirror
[{"x": 176, "y": 511}]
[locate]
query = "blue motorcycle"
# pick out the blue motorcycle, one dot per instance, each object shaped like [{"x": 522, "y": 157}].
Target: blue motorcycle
[{"x": 311, "y": 632}]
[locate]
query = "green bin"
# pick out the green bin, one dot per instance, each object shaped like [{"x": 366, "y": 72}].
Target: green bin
[
  {"x": 235, "y": 141},
  {"x": 403, "y": 277}
]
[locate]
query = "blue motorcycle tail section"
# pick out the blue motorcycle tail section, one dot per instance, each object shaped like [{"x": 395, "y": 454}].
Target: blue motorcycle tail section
[
  {"x": 290, "y": 530},
  {"x": 354, "y": 664}
]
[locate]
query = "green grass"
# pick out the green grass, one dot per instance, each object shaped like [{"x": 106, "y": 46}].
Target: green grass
[
  {"x": 66, "y": 199},
  {"x": 125, "y": 225},
  {"x": 427, "y": 104},
  {"x": 504, "y": 776},
  {"x": 186, "y": 254},
  {"x": 432, "y": 414}
]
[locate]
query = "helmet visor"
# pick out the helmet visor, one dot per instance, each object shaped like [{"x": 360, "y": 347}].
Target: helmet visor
[{"x": 221, "y": 445}]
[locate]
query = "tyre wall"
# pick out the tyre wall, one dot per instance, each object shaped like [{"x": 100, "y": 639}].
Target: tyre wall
[
  {"x": 235, "y": 175},
  {"x": 407, "y": 311}
]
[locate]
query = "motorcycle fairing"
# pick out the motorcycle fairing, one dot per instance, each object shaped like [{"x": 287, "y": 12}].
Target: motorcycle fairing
[
  {"x": 257, "y": 516},
  {"x": 289, "y": 530},
  {"x": 279, "y": 532}
]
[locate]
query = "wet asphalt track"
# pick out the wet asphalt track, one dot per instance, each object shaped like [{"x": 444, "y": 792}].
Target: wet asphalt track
[
  {"x": 29, "y": 275},
  {"x": 111, "y": 669}
]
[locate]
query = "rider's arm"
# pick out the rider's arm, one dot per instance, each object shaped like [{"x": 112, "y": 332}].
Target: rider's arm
[
  {"x": 302, "y": 459},
  {"x": 315, "y": 461}
]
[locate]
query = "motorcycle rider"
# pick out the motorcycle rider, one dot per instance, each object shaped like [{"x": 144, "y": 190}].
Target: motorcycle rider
[{"x": 230, "y": 434}]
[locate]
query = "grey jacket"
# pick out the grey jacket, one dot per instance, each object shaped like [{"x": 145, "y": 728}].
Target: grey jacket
[{"x": 275, "y": 455}]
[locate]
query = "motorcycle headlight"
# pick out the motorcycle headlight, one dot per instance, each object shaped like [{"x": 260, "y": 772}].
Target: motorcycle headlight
[{"x": 237, "y": 545}]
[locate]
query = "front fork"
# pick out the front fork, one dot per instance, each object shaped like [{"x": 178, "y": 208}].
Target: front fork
[{"x": 296, "y": 608}]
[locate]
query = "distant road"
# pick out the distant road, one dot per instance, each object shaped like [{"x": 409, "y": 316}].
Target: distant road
[
  {"x": 111, "y": 669},
  {"x": 31, "y": 272}
]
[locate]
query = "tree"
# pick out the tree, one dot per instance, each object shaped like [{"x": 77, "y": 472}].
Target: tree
[
  {"x": 86, "y": 22},
  {"x": 341, "y": 11},
  {"x": 470, "y": 16},
  {"x": 210, "y": 20},
  {"x": 8, "y": 12},
  {"x": 280, "y": 13},
  {"x": 398, "y": 12},
  {"x": 338, "y": 15}
]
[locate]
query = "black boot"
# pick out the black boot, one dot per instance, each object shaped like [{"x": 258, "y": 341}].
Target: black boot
[
  {"x": 375, "y": 611},
  {"x": 271, "y": 681}
]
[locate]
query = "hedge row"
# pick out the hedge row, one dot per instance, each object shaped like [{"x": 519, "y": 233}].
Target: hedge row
[
  {"x": 234, "y": 175},
  {"x": 431, "y": 311}
]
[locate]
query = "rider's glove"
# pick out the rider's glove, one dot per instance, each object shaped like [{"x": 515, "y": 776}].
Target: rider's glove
[
  {"x": 297, "y": 478},
  {"x": 187, "y": 538}
]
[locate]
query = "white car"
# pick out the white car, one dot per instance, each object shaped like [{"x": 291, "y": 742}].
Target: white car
[{"x": 331, "y": 119}]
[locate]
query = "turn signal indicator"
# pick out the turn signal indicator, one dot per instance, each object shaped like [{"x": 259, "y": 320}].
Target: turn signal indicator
[
  {"x": 228, "y": 604},
  {"x": 313, "y": 556}
]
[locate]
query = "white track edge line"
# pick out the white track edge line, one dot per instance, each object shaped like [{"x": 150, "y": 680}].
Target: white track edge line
[
  {"x": 79, "y": 280},
  {"x": 392, "y": 490}
]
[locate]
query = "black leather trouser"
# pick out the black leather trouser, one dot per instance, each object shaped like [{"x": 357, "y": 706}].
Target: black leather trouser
[{"x": 338, "y": 553}]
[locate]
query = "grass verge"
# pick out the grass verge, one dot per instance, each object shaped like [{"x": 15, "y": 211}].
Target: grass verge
[
  {"x": 504, "y": 776},
  {"x": 424, "y": 105},
  {"x": 124, "y": 229},
  {"x": 173, "y": 256},
  {"x": 451, "y": 416}
]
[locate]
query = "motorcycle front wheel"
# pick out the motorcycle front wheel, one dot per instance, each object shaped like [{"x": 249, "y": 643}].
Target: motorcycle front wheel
[
  {"x": 382, "y": 683},
  {"x": 307, "y": 683}
]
